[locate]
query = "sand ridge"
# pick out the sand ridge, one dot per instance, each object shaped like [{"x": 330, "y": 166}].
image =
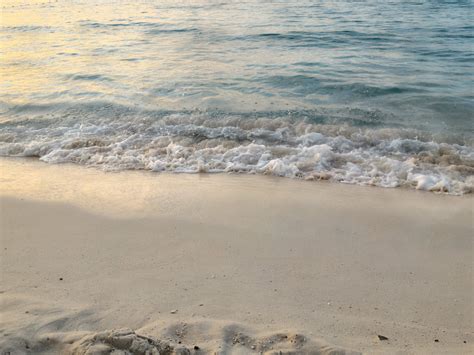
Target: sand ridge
[{"x": 32, "y": 326}]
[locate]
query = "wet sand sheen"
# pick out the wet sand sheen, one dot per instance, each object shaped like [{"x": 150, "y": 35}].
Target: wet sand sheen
[{"x": 229, "y": 263}]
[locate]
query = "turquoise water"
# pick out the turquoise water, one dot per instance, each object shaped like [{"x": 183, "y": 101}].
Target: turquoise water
[{"x": 366, "y": 92}]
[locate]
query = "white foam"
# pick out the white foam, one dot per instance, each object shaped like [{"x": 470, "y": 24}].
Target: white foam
[{"x": 187, "y": 143}]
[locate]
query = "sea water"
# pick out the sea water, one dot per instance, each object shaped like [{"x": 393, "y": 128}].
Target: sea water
[{"x": 364, "y": 92}]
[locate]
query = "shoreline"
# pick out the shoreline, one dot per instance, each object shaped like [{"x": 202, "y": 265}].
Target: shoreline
[
  {"x": 266, "y": 257},
  {"x": 228, "y": 178}
]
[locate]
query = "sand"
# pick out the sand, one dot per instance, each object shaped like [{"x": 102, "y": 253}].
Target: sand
[{"x": 94, "y": 261}]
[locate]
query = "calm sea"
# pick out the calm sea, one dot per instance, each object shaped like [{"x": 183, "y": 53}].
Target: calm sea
[{"x": 365, "y": 92}]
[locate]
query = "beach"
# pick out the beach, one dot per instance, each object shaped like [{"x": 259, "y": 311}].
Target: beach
[
  {"x": 223, "y": 263},
  {"x": 257, "y": 177}
]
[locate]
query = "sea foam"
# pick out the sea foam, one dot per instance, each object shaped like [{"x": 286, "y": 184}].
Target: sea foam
[{"x": 186, "y": 142}]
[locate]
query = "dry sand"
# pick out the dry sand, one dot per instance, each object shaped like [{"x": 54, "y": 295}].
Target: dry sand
[{"x": 229, "y": 264}]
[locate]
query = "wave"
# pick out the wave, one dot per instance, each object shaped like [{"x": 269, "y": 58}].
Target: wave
[
  {"x": 117, "y": 138},
  {"x": 27, "y": 28}
]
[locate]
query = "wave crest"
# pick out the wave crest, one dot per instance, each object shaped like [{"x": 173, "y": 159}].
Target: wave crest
[{"x": 282, "y": 146}]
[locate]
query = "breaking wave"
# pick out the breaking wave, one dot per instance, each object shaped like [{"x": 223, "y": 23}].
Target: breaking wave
[{"x": 274, "y": 144}]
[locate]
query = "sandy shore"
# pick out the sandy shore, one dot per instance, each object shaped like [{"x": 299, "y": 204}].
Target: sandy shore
[{"x": 229, "y": 264}]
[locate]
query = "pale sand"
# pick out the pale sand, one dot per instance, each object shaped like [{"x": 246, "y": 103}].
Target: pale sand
[{"x": 249, "y": 263}]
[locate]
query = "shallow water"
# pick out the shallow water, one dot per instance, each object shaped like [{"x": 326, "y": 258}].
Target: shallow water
[{"x": 376, "y": 93}]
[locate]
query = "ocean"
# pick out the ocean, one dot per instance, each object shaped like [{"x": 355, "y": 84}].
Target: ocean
[{"x": 363, "y": 92}]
